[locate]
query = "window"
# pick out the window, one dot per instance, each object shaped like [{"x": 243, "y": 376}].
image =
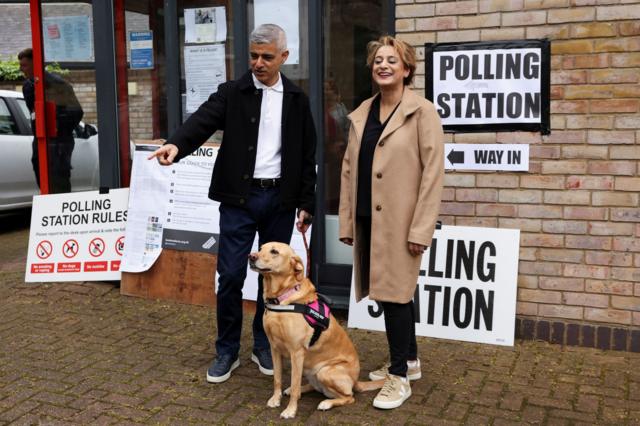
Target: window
[{"x": 8, "y": 125}]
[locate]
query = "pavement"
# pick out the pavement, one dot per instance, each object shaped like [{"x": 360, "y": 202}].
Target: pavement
[{"x": 81, "y": 353}]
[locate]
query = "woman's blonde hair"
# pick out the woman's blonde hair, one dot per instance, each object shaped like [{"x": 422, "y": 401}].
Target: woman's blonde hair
[{"x": 406, "y": 52}]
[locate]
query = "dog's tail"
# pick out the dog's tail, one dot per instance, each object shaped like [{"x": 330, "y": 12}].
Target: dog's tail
[{"x": 369, "y": 385}]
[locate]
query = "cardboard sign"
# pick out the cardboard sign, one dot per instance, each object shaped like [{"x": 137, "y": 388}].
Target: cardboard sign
[
  {"x": 490, "y": 86},
  {"x": 513, "y": 157},
  {"x": 77, "y": 236},
  {"x": 466, "y": 289}
]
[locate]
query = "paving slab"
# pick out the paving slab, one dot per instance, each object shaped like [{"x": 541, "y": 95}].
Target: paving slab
[{"x": 81, "y": 353}]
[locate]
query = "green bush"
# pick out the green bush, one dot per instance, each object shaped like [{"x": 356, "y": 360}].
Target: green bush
[{"x": 10, "y": 69}]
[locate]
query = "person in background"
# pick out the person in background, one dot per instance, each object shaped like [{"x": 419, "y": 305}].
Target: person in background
[
  {"x": 68, "y": 116},
  {"x": 265, "y": 169},
  {"x": 391, "y": 186}
]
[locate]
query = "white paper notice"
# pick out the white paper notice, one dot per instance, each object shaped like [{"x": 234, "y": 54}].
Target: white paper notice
[
  {"x": 205, "y": 70},
  {"x": 190, "y": 208},
  {"x": 205, "y": 25},
  {"x": 285, "y": 14},
  {"x": 147, "y": 210}
]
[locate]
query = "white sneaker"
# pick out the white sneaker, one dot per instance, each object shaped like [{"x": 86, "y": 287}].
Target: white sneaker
[
  {"x": 414, "y": 371},
  {"x": 396, "y": 390}
]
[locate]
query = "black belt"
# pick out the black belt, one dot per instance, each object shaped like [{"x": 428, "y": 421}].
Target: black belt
[{"x": 266, "y": 183}]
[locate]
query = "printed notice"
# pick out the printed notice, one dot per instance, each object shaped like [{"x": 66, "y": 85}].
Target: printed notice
[
  {"x": 205, "y": 70},
  {"x": 147, "y": 209},
  {"x": 205, "y": 25},
  {"x": 67, "y": 39}
]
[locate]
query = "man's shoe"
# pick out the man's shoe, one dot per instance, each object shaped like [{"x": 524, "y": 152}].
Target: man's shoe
[
  {"x": 395, "y": 391},
  {"x": 414, "y": 371},
  {"x": 262, "y": 357},
  {"x": 221, "y": 368}
]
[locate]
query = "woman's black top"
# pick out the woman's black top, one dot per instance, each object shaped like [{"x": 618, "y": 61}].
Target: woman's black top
[{"x": 372, "y": 131}]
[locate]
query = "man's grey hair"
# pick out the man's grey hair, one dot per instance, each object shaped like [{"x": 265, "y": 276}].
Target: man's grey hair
[{"x": 269, "y": 33}]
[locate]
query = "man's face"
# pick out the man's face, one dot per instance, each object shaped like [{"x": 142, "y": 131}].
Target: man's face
[
  {"x": 266, "y": 60},
  {"x": 26, "y": 66}
]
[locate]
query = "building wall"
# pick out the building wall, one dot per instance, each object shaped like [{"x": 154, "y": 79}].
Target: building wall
[{"x": 578, "y": 206}]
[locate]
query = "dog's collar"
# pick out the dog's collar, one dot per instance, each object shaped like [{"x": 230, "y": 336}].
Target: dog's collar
[{"x": 284, "y": 296}]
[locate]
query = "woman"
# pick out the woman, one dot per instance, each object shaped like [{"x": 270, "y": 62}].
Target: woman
[{"x": 390, "y": 193}]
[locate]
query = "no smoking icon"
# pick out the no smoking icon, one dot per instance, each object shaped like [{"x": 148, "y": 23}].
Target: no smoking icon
[
  {"x": 96, "y": 247},
  {"x": 44, "y": 249},
  {"x": 120, "y": 245},
  {"x": 70, "y": 248}
]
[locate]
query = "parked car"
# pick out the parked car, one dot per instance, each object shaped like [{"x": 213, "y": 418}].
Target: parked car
[{"x": 17, "y": 180}]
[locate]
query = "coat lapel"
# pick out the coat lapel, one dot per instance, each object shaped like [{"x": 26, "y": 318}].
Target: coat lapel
[
  {"x": 408, "y": 105},
  {"x": 359, "y": 118}
]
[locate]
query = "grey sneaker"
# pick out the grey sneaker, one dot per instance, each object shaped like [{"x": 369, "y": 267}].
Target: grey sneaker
[
  {"x": 414, "y": 371},
  {"x": 396, "y": 390}
]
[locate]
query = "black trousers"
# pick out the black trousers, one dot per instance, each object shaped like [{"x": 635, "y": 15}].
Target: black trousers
[
  {"x": 399, "y": 318},
  {"x": 238, "y": 227}
]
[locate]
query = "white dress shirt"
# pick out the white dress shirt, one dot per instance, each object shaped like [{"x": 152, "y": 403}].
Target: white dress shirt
[{"x": 269, "y": 131}]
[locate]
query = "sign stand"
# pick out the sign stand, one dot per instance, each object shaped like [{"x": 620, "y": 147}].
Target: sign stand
[
  {"x": 177, "y": 275},
  {"x": 180, "y": 276}
]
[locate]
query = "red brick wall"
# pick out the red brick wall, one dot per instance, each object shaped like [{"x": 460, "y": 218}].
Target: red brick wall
[{"x": 578, "y": 207}]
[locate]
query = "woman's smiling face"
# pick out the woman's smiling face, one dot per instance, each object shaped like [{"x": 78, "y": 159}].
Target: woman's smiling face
[{"x": 387, "y": 69}]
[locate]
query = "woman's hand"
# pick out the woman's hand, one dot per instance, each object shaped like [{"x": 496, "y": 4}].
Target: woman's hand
[
  {"x": 347, "y": 241},
  {"x": 416, "y": 249}
]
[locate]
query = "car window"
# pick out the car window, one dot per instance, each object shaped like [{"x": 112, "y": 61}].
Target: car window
[
  {"x": 8, "y": 125},
  {"x": 25, "y": 112},
  {"x": 23, "y": 108}
]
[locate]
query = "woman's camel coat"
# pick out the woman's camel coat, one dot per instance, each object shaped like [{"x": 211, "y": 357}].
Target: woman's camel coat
[{"x": 406, "y": 188}]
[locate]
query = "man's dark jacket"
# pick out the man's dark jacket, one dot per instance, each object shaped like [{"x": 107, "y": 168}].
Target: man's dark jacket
[{"x": 235, "y": 109}]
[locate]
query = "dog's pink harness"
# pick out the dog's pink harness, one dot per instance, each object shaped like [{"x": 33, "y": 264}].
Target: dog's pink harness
[{"x": 317, "y": 313}]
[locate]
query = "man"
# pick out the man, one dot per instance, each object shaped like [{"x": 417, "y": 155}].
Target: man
[
  {"x": 265, "y": 170},
  {"x": 68, "y": 115}
]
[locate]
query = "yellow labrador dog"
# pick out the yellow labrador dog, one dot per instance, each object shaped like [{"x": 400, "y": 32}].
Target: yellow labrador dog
[{"x": 326, "y": 356}]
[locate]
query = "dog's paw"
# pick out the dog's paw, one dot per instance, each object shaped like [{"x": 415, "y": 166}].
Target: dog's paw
[
  {"x": 325, "y": 405},
  {"x": 274, "y": 401},
  {"x": 287, "y": 391},
  {"x": 289, "y": 413}
]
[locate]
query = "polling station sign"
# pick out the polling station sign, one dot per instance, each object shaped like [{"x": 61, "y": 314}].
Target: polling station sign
[
  {"x": 490, "y": 86},
  {"x": 77, "y": 236},
  {"x": 466, "y": 288}
]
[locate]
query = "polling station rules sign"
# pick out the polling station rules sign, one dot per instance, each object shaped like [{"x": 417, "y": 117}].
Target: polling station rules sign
[
  {"x": 466, "y": 289},
  {"x": 77, "y": 236},
  {"x": 490, "y": 86}
]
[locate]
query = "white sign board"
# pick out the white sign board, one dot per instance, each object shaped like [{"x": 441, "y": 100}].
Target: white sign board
[
  {"x": 514, "y": 157},
  {"x": 205, "y": 70},
  {"x": 494, "y": 86},
  {"x": 466, "y": 289},
  {"x": 77, "y": 236}
]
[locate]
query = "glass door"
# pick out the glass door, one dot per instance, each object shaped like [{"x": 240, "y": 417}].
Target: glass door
[{"x": 348, "y": 26}]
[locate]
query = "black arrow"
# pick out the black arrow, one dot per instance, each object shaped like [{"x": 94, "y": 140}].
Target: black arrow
[{"x": 456, "y": 157}]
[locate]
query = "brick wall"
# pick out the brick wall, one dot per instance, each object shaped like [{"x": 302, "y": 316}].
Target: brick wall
[{"x": 578, "y": 206}]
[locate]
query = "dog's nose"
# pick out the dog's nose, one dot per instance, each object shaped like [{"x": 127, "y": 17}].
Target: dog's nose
[{"x": 253, "y": 257}]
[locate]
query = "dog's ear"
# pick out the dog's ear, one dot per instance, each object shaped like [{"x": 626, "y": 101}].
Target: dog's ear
[{"x": 298, "y": 267}]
